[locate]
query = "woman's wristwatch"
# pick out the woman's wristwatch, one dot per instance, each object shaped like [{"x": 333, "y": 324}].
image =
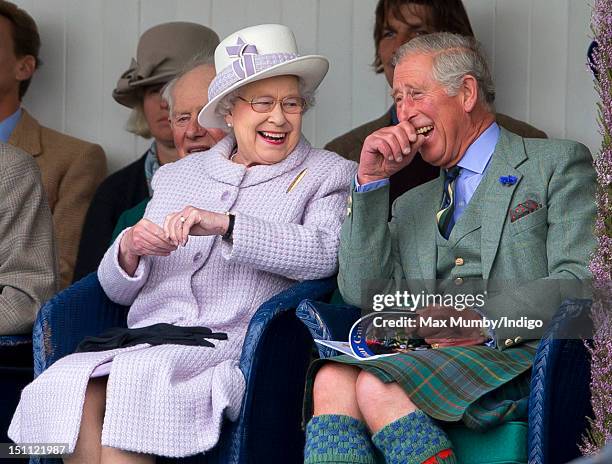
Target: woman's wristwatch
[{"x": 230, "y": 227}]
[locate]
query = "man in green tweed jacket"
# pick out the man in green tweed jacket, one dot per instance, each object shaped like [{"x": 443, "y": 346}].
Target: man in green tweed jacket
[{"x": 505, "y": 209}]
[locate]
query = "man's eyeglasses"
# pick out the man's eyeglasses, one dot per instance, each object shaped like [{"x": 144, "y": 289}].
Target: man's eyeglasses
[
  {"x": 184, "y": 119},
  {"x": 290, "y": 105}
]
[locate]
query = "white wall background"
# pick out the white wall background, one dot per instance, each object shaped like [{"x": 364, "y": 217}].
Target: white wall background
[{"x": 537, "y": 50}]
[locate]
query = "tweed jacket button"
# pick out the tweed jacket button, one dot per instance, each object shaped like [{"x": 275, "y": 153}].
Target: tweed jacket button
[
  {"x": 225, "y": 195},
  {"x": 518, "y": 339},
  {"x": 509, "y": 342},
  {"x": 459, "y": 261},
  {"x": 458, "y": 281},
  {"x": 197, "y": 256}
]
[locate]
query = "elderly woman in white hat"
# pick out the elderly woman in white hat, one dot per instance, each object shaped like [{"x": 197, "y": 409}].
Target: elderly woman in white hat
[
  {"x": 226, "y": 230},
  {"x": 163, "y": 52}
]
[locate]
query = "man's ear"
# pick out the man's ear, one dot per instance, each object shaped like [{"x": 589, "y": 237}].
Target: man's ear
[
  {"x": 26, "y": 65},
  {"x": 469, "y": 93}
]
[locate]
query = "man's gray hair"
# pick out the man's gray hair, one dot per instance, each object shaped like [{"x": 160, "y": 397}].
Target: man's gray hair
[
  {"x": 226, "y": 104},
  {"x": 195, "y": 62},
  {"x": 454, "y": 56}
]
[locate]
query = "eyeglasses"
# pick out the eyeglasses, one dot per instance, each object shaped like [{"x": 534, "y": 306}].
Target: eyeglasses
[
  {"x": 183, "y": 119},
  {"x": 290, "y": 105}
]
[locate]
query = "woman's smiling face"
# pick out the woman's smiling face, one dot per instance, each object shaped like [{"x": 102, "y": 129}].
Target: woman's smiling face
[{"x": 266, "y": 138}]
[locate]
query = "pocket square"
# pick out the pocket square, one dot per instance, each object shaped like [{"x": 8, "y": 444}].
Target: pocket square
[{"x": 523, "y": 209}]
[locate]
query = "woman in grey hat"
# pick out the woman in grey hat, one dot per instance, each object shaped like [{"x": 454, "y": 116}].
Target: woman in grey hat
[{"x": 163, "y": 51}]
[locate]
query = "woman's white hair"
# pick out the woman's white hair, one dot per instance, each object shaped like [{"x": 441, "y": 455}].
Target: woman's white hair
[
  {"x": 454, "y": 56},
  {"x": 226, "y": 104}
]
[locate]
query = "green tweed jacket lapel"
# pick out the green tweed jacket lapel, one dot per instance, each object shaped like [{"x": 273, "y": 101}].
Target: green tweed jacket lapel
[
  {"x": 508, "y": 155},
  {"x": 427, "y": 227}
]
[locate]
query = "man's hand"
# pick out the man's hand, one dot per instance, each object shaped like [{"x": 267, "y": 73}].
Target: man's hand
[
  {"x": 194, "y": 221},
  {"x": 387, "y": 151},
  {"x": 437, "y": 334}
]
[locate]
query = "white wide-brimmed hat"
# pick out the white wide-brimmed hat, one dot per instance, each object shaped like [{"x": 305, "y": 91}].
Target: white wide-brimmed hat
[{"x": 256, "y": 53}]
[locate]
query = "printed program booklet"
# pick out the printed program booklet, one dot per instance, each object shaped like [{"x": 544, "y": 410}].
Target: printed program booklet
[{"x": 379, "y": 334}]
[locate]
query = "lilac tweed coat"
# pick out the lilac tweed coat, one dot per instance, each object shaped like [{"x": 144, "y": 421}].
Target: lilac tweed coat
[{"x": 170, "y": 400}]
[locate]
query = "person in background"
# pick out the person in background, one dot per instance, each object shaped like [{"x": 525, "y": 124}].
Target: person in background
[
  {"x": 505, "y": 211},
  {"x": 71, "y": 169},
  {"x": 163, "y": 51},
  {"x": 186, "y": 95},
  {"x": 28, "y": 265},
  {"x": 226, "y": 230},
  {"x": 397, "y": 22}
]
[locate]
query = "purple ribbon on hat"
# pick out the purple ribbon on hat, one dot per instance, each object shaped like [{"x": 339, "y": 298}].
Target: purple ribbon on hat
[{"x": 244, "y": 66}]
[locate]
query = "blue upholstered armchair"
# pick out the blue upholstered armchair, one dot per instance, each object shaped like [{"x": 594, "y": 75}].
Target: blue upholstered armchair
[
  {"x": 558, "y": 405},
  {"x": 15, "y": 373},
  {"x": 274, "y": 360}
]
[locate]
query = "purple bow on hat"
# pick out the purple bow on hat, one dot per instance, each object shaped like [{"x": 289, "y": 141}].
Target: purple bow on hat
[{"x": 244, "y": 66}]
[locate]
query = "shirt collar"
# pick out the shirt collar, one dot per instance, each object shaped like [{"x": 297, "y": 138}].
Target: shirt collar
[
  {"x": 8, "y": 125},
  {"x": 480, "y": 151}
]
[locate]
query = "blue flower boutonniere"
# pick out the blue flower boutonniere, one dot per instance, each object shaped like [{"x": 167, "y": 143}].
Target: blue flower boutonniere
[{"x": 508, "y": 180}]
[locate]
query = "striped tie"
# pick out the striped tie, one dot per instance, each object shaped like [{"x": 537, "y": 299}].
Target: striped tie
[{"x": 445, "y": 215}]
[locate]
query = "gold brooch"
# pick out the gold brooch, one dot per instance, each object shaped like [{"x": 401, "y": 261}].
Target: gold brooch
[{"x": 297, "y": 180}]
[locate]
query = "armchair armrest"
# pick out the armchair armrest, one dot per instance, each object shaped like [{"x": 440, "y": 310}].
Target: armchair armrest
[
  {"x": 284, "y": 301},
  {"x": 559, "y": 403},
  {"x": 78, "y": 311},
  {"x": 274, "y": 359},
  {"x": 15, "y": 340},
  {"x": 327, "y": 322}
]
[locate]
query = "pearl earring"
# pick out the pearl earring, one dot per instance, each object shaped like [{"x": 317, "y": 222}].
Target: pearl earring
[{"x": 229, "y": 124}]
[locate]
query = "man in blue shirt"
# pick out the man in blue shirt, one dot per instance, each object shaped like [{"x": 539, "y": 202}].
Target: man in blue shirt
[
  {"x": 71, "y": 168},
  {"x": 505, "y": 209}
]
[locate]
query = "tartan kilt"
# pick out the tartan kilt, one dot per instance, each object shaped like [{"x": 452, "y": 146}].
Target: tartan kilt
[{"x": 478, "y": 385}]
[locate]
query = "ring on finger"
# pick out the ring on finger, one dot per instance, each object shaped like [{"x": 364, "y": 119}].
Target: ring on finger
[{"x": 182, "y": 219}]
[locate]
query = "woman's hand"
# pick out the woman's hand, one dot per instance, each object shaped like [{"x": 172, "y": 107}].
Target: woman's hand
[
  {"x": 194, "y": 221},
  {"x": 441, "y": 333},
  {"x": 143, "y": 239},
  {"x": 387, "y": 151}
]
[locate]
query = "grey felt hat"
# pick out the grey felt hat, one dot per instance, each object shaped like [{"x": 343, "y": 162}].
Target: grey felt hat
[{"x": 163, "y": 51}]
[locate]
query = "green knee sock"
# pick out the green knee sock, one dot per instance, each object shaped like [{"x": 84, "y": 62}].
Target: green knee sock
[
  {"x": 414, "y": 439},
  {"x": 337, "y": 439}
]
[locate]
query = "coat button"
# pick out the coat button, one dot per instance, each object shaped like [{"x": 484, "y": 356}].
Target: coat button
[
  {"x": 225, "y": 195},
  {"x": 459, "y": 261},
  {"x": 197, "y": 256},
  {"x": 518, "y": 339},
  {"x": 509, "y": 342},
  {"x": 458, "y": 281}
]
